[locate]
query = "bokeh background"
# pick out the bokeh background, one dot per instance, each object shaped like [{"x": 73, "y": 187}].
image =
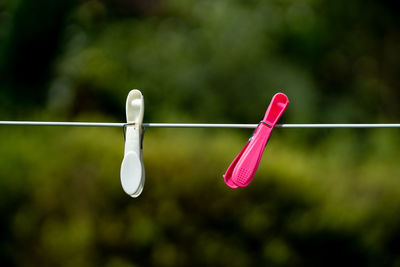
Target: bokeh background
[{"x": 321, "y": 197}]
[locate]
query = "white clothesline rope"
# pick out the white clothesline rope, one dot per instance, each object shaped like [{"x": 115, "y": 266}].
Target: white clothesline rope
[{"x": 197, "y": 125}]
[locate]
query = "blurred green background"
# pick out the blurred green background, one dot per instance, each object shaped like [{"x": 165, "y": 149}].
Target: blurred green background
[{"x": 320, "y": 198}]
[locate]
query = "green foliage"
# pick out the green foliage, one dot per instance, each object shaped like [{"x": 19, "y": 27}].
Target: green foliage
[
  {"x": 196, "y": 57},
  {"x": 62, "y": 203}
]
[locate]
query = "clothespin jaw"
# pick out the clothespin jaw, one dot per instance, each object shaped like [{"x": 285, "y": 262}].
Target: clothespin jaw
[
  {"x": 132, "y": 167},
  {"x": 243, "y": 168}
]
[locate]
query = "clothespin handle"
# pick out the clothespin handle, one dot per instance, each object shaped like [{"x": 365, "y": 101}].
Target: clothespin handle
[{"x": 250, "y": 159}]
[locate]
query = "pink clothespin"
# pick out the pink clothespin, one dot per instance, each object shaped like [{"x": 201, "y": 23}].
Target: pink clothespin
[{"x": 241, "y": 171}]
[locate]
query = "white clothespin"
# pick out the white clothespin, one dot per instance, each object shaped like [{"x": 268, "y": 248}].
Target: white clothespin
[{"x": 132, "y": 168}]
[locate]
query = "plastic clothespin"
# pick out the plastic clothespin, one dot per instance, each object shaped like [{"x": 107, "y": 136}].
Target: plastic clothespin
[
  {"x": 132, "y": 167},
  {"x": 241, "y": 171}
]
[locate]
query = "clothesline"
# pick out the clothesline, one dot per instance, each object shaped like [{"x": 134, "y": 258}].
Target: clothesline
[{"x": 199, "y": 125}]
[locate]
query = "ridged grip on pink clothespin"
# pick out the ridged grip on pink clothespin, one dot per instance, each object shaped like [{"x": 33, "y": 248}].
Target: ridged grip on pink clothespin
[{"x": 241, "y": 171}]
